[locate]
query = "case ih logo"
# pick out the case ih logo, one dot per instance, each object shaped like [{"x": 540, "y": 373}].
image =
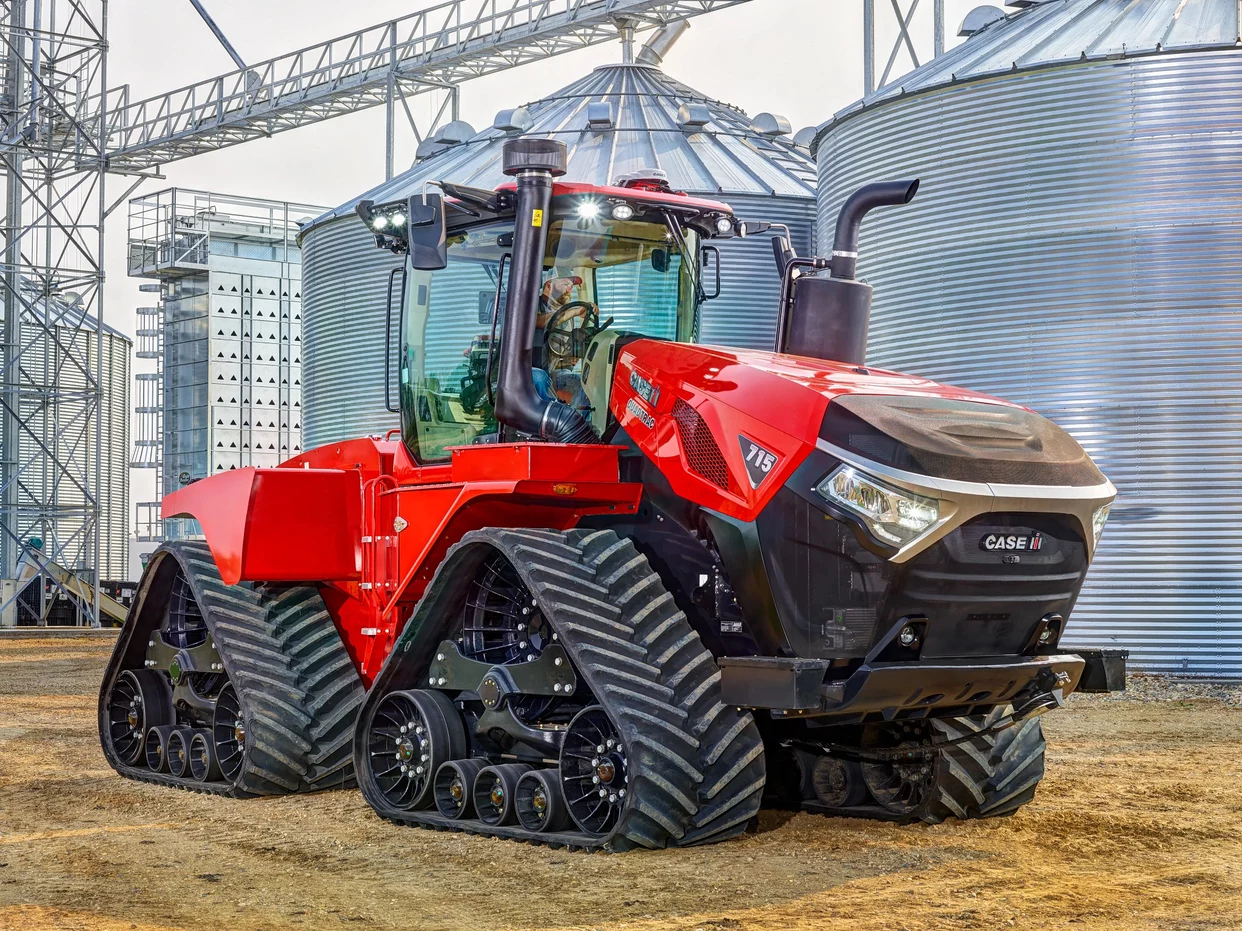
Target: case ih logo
[{"x": 999, "y": 542}]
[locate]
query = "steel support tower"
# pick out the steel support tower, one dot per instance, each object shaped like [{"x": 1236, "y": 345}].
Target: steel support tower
[{"x": 53, "y": 120}]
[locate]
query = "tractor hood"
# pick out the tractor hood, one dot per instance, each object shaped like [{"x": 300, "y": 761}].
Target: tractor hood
[{"x": 729, "y": 427}]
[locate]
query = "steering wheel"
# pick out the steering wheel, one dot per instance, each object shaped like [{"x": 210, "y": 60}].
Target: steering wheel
[{"x": 562, "y": 341}]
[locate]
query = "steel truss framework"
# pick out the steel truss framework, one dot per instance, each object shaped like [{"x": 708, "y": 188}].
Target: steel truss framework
[
  {"x": 52, "y": 154},
  {"x": 903, "y": 17},
  {"x": 436, "y": 48}
]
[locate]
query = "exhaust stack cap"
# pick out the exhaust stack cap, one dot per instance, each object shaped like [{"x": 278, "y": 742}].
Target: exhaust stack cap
[{"x": 548, "y": 155}]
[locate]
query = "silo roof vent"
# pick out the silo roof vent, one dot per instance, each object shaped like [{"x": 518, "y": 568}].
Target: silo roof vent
[
  {"x": 447, "y": 136},
  {"x": 513, "y": 120},
  {"x": 693, "y": 117},
  {"x": 601, "y": 116},
  {"x": 454, "y": 133},
  {"x": 979, "y": 19},
  {"x": 805, "y": 136},
  {"x": 771, "y": 124}
]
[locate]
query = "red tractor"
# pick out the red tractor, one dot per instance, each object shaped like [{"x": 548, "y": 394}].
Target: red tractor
[{"x": 611, "y": 588}]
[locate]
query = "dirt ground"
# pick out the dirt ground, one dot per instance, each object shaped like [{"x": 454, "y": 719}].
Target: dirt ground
[{"x": 1138, "y": 825}]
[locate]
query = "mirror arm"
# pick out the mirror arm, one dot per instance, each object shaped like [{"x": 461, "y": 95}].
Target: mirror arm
[
  {"x": 392, "y": 276},
  {"x": 491, "y": 342}
]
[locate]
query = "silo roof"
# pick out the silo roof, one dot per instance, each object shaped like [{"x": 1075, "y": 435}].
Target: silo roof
[
  {"x": 56, "y": 312},
  {"x": 623, "y": 118},
  {"x": 1054, "y": 32}
]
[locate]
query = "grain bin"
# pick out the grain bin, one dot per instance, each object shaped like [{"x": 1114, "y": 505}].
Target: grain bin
[{"x": 1077, "y": 246}]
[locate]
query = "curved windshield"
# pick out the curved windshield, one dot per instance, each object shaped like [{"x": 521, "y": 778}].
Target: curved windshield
[{"x": 603, "y": 280}]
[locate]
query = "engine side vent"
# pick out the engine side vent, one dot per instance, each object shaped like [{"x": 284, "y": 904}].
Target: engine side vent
[{"x": 702, "y": 452}]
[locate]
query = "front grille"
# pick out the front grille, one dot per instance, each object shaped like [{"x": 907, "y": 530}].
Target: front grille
[
  {"x": 983, "y": 602},
  {"x": 702, "y": 452},
  {"x": 835, "y": 598}
]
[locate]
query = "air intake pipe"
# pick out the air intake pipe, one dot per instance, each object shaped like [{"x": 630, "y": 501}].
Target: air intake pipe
[
  {"x": 829, "y": 317},
  {"x": 533, "y": 163},
  {"x": 857, "y": 206}
]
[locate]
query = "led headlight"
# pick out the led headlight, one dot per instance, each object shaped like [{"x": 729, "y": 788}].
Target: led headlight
[
  {"x": 622, "y": 212},
  {"x": 379, "y": 222},
  {"x": 588, "y": 210},
  {"x": 893, "y": 515},
  {"x": 1098, "y": 520}
]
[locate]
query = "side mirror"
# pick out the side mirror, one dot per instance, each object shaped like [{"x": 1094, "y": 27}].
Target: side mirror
[
  {"x": 428, "y": 242},
  {"x": 752, "y": 227},
  {"x": 659, "y": 260},
  {"x": 714, "y": 253}
]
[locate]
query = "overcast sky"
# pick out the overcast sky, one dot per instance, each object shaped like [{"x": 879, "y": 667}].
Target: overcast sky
[{"x": 799, "y": 58}]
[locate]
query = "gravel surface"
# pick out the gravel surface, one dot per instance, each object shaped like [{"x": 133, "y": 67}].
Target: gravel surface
[{"x": 1136, "y": 827}]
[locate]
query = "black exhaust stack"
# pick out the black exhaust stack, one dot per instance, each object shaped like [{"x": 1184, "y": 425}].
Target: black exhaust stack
[
  {"x": 534, "y": 163},
  {"x": 830, "y": 315}
]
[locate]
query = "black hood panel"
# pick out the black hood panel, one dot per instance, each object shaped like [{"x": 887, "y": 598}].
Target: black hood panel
[{"x": 959, "y": 440}]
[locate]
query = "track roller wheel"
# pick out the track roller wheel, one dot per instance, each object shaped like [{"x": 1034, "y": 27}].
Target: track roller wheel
[
  {"x": 204, "y": 766},
  {"x": 415, "y": 732},
  {"x": 495, "y": 788},
  {"x": 178, "y": 753},
  {"x": 540, "y": 801},
  {"x": 454, "y": 788},
  {"x": 594, "y": 775},
  {"x": 157, "y": 747},
  {"x": 139, "y": 701}
]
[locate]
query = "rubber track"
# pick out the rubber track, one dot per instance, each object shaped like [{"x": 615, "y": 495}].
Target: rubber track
[
  {"x": 990, "y": 775},
  {"x": 731, "y": 755},
  {"x": 598, "y": 617},
  {"x": 287, "y": 674},
  {"x": 330, "y": 683}
]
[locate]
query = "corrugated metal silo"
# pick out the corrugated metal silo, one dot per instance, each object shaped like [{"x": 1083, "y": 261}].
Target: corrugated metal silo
[
  {"x": 62, "y": 351},
  {"x": 1076, "y": 245},
  {"x": 615, "y": 120}
]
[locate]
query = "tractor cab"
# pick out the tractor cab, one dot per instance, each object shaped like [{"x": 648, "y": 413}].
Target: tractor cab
[{"x": 619, "y": 263}]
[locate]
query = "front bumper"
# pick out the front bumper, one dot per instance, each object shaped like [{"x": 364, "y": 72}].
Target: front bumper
[{"x": 894, "y": 691}]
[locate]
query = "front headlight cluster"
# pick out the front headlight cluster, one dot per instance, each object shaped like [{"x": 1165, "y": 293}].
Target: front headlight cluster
[
  {"x": 892, "y": 514},
  {"x": 1098, "y": 520}
]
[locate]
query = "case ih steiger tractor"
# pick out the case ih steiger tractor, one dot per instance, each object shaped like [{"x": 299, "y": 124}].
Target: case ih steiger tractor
[{"x": 611, "y": 588}]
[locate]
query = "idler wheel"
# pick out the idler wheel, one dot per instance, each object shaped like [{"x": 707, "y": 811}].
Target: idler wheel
[
  {"x": 540, "y": 802},
  {"x": 140, "y": 700},
  {"x": 229, "y": 733},
  {"x": 906, "y": 784},
  {"x": 411, "y": 735},
  {"x": 454, "y": 788},
  {"x": 838, "y": 783},
  {"x": 495, "y": 789},
  {"x": 594, "y": 771}
]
